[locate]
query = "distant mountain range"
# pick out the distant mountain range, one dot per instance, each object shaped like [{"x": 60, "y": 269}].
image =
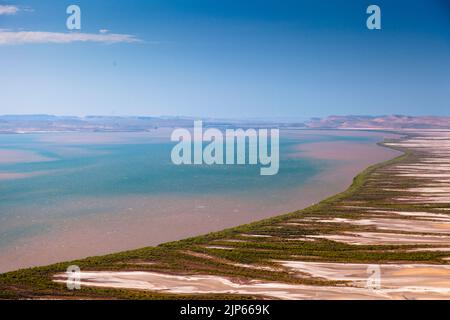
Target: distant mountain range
[
  {"x": 380, "y": 122},
  {"x": 50, "y": 123}
]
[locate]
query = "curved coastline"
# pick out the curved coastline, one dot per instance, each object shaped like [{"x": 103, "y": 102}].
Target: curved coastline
[
  {"x": 166, "y": 217},
  {"x": 383, "y": 223},
  {"x": 46, "y": 273}
]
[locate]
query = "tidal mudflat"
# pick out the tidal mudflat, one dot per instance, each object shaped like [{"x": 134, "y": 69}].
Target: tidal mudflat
[{"x": 71, "y": 195}]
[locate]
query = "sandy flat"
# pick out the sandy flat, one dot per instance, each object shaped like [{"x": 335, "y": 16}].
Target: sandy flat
[
  {"x": 425, "y": 199},
  {"x": 205, "y": 284},
  {"x": 255, "y": 235},
  {"x": 423, "y": 226},
  {"x": 414, "y": 214},
  {"x": 438, "y": 249},
  {"x": 381, "y": 238},
  {"x": 412, "y": 277},
  {"x": 425, "y": 175},
  {"x": 428, "y": 190}
]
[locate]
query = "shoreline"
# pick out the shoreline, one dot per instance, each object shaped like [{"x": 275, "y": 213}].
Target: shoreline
[
  {"x": 151, "y": 230},
  {"x": 55, "y": 277},
  {"x": 140, "y": 274}
]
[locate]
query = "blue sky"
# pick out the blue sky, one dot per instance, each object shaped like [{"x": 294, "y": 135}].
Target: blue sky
[{"x": 225, "y": 58}]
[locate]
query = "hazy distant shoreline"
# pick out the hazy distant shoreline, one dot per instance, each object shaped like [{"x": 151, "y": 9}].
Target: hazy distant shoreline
[{"x": 52, "y": 124}]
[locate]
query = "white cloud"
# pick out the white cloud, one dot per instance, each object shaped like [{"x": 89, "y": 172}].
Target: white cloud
[
  {"x": 104, "y": 31},
  {"x": 38, "y": 37},
  {"x": 8, "y": 10}
]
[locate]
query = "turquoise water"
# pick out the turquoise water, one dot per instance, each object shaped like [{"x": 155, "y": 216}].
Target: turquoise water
[{"x": 130, "y": 166}]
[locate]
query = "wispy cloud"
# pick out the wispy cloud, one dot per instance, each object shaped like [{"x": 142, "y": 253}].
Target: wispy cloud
[
  {"x": 8, "y": 10},
  {"x": 38, "y": 37}
]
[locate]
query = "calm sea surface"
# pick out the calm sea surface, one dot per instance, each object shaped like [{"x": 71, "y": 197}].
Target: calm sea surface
[{"x": 51, "y": 178}]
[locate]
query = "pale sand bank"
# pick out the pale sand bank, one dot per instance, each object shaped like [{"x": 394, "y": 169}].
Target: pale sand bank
[
  {"x": 382, "y": 238},
  {"x": 406, "y": 277},
  {"x": 423, "y": 226},
  {"x": 204, "y": 284}
]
